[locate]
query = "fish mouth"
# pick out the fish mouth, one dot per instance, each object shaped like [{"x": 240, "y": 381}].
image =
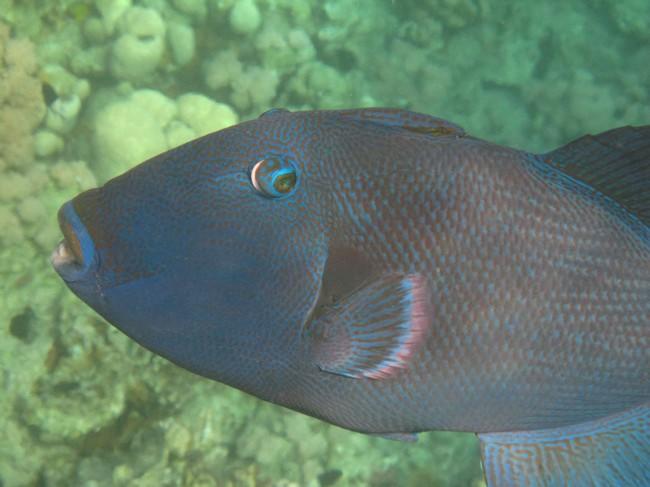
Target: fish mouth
[
  {"x": 64, "y": 254},
  {"x": 74, "y": 254}
]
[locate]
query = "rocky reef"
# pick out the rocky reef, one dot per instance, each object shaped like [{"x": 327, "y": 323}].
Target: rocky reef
[{"x": 89, "y": 88}]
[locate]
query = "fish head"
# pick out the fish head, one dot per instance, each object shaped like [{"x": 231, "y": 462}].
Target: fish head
[{"x": 210, "y": 254}]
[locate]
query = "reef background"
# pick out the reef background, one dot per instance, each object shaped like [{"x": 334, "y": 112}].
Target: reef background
[{"x": 89, "y": 88}]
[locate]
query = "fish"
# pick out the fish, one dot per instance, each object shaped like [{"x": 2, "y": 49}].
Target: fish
[{"x": 387, "y": 272}]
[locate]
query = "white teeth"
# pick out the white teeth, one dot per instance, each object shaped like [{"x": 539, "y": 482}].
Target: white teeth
[{"x": 61, "y": 255}]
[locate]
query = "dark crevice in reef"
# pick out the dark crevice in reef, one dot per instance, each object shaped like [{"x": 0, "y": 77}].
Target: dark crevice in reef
[{"x": 21, "y": 326}]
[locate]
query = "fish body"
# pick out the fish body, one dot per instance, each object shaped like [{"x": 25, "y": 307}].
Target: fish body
[{"x": 386, "y": 272}]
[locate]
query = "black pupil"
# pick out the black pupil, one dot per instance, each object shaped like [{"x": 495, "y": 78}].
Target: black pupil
[{"x": 284, "y": 183}]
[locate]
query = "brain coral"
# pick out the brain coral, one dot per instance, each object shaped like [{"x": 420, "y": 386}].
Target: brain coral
[{"x": 21, "y": 100}]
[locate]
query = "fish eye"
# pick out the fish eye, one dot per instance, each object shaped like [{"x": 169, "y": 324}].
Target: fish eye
[{"x": 274, "y": 177}]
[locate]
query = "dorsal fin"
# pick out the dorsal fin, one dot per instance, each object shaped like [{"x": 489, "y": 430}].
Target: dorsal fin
[
  {"x": 616, "y": 163},
  {"x": 407, "y": 120}
]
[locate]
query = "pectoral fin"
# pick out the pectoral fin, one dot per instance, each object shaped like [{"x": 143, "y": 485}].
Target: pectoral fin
[
  {"x": 609, "y": 451},
  {"x": 374, "y": 331}
]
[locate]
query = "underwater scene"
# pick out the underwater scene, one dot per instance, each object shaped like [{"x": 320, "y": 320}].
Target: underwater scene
[{"x": 90, "y": 88}]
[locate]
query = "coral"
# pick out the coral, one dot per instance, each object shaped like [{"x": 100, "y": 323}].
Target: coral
[
  {"x": 204, "y": 115},
  {"x": 145, "y": 123},
  {"x": 456, "y": 14},
  {"x": 222, "y": 70},
  {"x": 47, "y": 143},
  {"x": 256, "y": 88},
  {"x": 13, "y": 232},
  {"x": 21, "y": 102},
  {"x": 193, "y": 8},
  {"x": 632, "y": 18},
  {"x": 129, "y": 131},
  {"x": 282, "y": 47},
  {"x": 182, "y": 42},
  {"x": 319, "y": 84},
  {"x": 14, "y": 186},
  {"x": 73, "y": 175},
  {"x": 248, "y": 86},
  {"x": 62, "y": 114},
  {"x": 245, "y": 17},
  {"x": 137, "y": 52},
  {"x": 111, "y": 11}
]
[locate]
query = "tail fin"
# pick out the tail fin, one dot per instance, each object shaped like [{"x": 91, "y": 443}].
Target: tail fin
[
  {"x": 616, "y": 163},
  {"x": 606, "y": 452}
]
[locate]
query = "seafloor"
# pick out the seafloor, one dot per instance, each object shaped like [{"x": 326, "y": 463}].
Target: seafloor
[{"x": 88, "y": 88}]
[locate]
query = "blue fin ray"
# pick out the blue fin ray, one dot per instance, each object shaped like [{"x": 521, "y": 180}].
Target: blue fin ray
[{"x": 611, "y": 451}]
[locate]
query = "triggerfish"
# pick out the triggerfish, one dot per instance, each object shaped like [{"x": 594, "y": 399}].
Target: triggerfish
[{"x": 387, "y": 272}]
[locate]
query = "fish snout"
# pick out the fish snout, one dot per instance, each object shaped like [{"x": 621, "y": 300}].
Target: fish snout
[{"x": 74, "y": 256}]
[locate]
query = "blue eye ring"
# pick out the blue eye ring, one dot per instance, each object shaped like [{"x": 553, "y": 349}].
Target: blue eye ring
[{"x": 274, "y": 177}]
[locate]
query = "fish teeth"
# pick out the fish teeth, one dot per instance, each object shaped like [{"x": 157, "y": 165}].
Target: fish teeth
[{"x": 62, "y": 255}]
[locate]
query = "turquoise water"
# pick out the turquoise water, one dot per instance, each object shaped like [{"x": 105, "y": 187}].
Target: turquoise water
[{"x": 90, "y": 88}]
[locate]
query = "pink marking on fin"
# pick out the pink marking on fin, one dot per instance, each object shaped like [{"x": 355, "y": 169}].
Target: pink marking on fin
[{"x": 419, "y": 319}]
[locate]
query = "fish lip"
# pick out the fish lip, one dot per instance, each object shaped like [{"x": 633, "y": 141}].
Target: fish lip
[
  {"x": 65, "y": 263},
  {"x": 63, "y": 255},
  {"x": 74, "y": 256}
]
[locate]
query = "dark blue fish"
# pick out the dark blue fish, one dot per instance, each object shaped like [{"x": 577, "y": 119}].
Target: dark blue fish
[{"x": 386, "y": 272}]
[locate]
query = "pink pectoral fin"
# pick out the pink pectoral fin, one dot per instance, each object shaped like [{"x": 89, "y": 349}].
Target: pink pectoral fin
[{"x": 374, "y": 332}]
